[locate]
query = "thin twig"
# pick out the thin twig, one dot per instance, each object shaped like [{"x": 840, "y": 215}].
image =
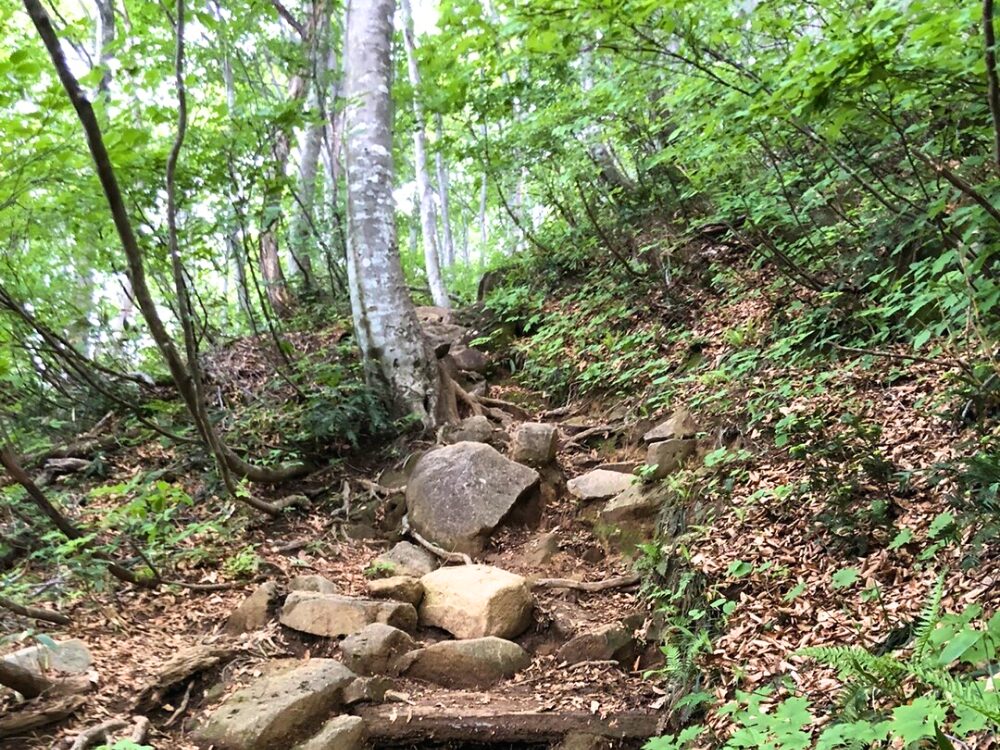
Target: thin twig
[
  {"x": 431, "y": 547},
  {"x": 593, "y": 586}
]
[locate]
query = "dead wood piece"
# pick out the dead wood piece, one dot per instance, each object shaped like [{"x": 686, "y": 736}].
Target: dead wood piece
[
  {"x": 67, "y": 465},
  {"x": 39, "y": 714},
  {"x": 602, "y": 429},
  {"x": 381, "y": 489},
  {"x": 433, "y": 548},
  {"x": 100, "y": 733},
  {"x": 487, "y": 724},
  {"x": 178, "y": 668},
  {"x": 592, "y": 586},
  {"x": 140, "y": 729},
  {"x": 35, "y": 613}
]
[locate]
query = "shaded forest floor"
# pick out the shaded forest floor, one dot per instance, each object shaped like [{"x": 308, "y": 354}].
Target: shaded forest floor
[{"x": 765, "y": 549}]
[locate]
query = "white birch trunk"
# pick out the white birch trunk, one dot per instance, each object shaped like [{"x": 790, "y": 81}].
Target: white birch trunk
[
  {"x": 397, "y": 358},
  {"x": 484, "y": 230},
  {"x": 448, "y": 248},
  {"x": 428, "y": 219}
]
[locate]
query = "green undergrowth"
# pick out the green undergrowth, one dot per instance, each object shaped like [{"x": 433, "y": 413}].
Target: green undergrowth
[{"x": 797, "y": 379}]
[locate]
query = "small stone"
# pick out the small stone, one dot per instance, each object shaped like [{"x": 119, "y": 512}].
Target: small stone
[
  {"x": 313, "y": 583},
  {"x": 255, "y": 611},
  {"x": 534, "y": 444},
  {"x": 542, "y": 548},
  {"x": 479, "y": 662},
  {"x": 406, "y": 559},
  {"x": 669, "y": 455},
  {"x": 279, "y": 707},
  {"x": 680, "y": 425},
  {"x": 608, "y": 642},
  {"x": 340, "y": 733},
  {"x": 472, "y": 601},
  {"x": 367, "y": 690},
  {"x": 598, "y": 484},
  {"x": 398, "y": 588},
  {"x": 332, "y": 615},
  {"x": 375, "y": 648}
]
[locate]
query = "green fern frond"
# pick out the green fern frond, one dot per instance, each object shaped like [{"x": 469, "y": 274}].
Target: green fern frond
[{"x": 930, "y": 617}]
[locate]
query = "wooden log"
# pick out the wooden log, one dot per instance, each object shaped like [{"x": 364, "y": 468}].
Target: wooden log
[{"x": 394, "y": 723}]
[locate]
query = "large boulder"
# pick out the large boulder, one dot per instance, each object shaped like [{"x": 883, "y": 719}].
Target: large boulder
[
  {"x": 278, "y": 708},
  {"x": 406, "y": 559},
  {"x": 460, "y": 493},
  {"x": 340, "y": 733},
  {"x": 598, "y": 484},
  {"x": 375, "y": 648},
  {"x": 255, "y": 611},
  {"x": 669, "y": 455},
  {"x": 472, "y": 601},
  {"x": 332, "y": 615},
  {"x": 534, "y": 443},
  {"x": 680, "y": 425},
  {"x": 479, "y": 662}
]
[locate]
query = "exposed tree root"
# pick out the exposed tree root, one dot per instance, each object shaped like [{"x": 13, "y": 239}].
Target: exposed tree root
[
  {"x": 566, "y": 583},
  {"x": 460, "y": 557},
  {"x": 105, "y": 731},
  {"x": 180, "y": 667}
]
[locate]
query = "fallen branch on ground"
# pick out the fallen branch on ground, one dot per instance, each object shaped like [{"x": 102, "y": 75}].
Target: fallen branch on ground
[
  {"x": 100, "y": 733},
  {"x": 35, "y": 613},
  {"x": 592, "y": 586},
  {"x": 33, "y": 716},
  {"x": 602, "y": 429},
  {"x": 178, "y": 668}
]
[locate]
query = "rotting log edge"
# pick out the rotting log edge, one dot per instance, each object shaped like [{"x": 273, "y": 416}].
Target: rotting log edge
[{"x": 484, "y": 724}]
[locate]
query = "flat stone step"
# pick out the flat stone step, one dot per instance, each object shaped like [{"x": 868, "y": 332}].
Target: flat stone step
[{"x": 489, "y": 723}]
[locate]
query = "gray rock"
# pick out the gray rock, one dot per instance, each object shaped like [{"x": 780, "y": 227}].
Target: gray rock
[
  {"x": 472, "y": 601},
  {"x": 375, "y": 648},
  {"x": 669, "y": 455},
  {"x": 460, "y": 493},
  {"x": 71, "y": 656},
  {"x": 397, "y": 588},
  {"x": 340, "y": 733},
  {"x": 598, "y": 484},
  {"x": 474, "y": 663},
  {"x": 608, "y": 642},
  {"x": 332, "y": 615},
  {"x": 408, "y": 559},
  {"x": 680, "y": 425},
  {"x": 313, "y": 583},
  {"x": 471, "y": 429},
  {"x": 469, "y": 359},
  {"x": 534, "y": 443},
  {"x": 637, "y": 503},
  {"x": 255, "y": 611},
  {"x": 279, "y": 707}
]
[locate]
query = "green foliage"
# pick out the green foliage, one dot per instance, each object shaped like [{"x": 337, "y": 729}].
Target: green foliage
[{"x": 945, "y": 688}]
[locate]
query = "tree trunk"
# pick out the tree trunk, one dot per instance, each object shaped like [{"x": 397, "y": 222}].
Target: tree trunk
[
  {"x": 104, "y": 38},
  {"x": 484, "y": 233},
  {"x": 304, "y": 222},
  {"x": 443, "y": 190},
  {"x": 428, "y": 220},
  {"x": 396, "y": 356}
]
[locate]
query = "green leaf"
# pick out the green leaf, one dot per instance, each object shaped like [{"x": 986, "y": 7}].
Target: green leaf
[
  {"x": 918, "y": 720},
  {"x": 844, "y": 577}
]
